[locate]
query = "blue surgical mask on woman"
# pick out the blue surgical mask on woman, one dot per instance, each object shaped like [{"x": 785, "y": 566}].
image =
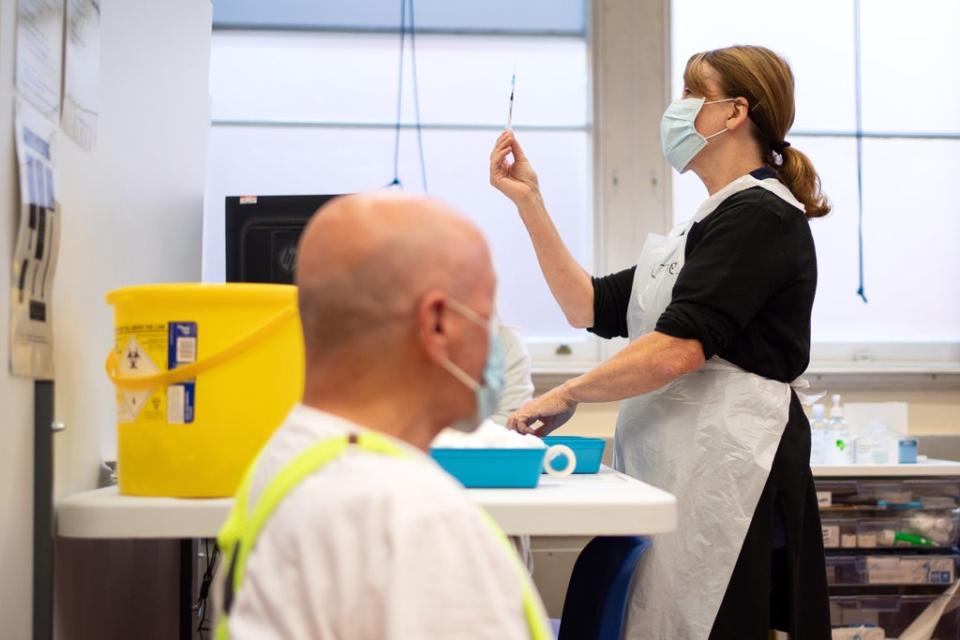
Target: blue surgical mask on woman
[
  {"x": 487, "y": 393},
  {"x": 678, "y": 136}
]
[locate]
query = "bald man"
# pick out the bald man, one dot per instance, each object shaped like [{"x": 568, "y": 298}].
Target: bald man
[{"x": 395, "y": 297}]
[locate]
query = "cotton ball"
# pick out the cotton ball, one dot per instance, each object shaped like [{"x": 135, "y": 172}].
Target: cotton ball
[
  {"x": 489, "y": 435},
  {"x": 938, "y": 528}
]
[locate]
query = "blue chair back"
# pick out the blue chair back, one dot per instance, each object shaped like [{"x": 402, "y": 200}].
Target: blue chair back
[{"x": 595, "y": 607}]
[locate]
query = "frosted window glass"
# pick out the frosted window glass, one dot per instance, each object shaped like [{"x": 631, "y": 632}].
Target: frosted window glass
[
  {"x": 293, "y": 160},
  {"x": 688, "y": 194},
  {"x": 464, "y": 81},
  {"x": 911, "y": 235},
  {"x": 833, "y": 159},
  {"x": 815, "y": 36},
  {"x": 911, "y": 66},
  {"x": 910, "y": 57},
  {"x": 352, "y": 78},
  {"x": 911, "y": 232},
  {"x": 911, "y": 84}
]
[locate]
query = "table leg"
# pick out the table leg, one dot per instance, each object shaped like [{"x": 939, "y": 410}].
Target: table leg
[{"x": 186, "y": 589}]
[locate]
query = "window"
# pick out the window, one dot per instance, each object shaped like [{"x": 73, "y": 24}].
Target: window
[
  {"x": 910, "y": 61},
  {"x": 304, "y": 100}
]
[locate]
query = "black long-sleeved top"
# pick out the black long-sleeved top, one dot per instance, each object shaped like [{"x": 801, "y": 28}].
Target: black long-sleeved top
[{"x": 745, "y": 291}]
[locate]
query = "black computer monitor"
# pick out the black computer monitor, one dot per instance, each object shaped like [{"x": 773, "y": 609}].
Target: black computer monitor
[{"x": 262, "y": 233}]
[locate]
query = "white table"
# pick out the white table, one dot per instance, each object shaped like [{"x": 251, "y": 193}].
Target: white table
[
  {"x": 928, "y": 468},
  {"x": 607, "y": 503}
]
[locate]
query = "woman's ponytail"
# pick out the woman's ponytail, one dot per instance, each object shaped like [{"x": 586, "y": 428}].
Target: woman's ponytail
[{"x": 796, "y": 172}]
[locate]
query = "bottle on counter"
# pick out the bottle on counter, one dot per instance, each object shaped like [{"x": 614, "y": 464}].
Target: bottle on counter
[
  {"x": 818, "y": 434},
  {"x": 837, "y": 450},
  {"x": 907, "y": 451}
]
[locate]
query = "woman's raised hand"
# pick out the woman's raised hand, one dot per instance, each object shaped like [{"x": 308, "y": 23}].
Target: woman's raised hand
[{"x": 517, "y": 180}]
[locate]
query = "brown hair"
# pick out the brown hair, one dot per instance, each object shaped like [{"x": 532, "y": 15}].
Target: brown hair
[{"x": 766, "y": 81}]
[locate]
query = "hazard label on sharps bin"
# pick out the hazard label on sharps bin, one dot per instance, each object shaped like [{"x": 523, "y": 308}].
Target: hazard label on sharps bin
[
  {"x": 141, "y": 350},
  {"x": 145, "y": 349}
]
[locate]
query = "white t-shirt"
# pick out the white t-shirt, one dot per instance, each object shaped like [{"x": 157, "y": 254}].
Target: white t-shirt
[
  {"x": 372, "y": 547},
  {"x": 518, "y": 384}
]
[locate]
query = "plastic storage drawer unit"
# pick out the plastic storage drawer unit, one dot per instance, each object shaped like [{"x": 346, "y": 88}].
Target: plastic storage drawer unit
[
  {"x": 912, "y": 529},
  {"x": 887, "y": 494},
  {"x": 891, "y": 613},
  {"x": 891, "y": 570}
]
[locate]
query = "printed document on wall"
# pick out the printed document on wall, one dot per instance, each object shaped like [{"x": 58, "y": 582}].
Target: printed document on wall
[
  {"x": 35, "y": 253},
  {"x": 81, "y": 73},
  {"x": 40, "y": 54}
]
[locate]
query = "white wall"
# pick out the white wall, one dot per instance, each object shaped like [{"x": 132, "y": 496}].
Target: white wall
[
  {"x": 131, "y": 214},
  {"x": 932, "y": 411},
  {"x": 132, "y": 210},
  {"x": 16, "y": 395}
]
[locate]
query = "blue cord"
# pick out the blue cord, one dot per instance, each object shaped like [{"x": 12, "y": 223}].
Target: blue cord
[
  {"x": 396, "y": 142},
  {"x": 861, "y": 290},
  {"x": 416, "y": 99}
]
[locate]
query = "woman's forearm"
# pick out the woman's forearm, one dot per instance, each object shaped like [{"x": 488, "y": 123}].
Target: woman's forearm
[
  {"x": 644, "y": 365},
  {"x": 569, "y": 282}
]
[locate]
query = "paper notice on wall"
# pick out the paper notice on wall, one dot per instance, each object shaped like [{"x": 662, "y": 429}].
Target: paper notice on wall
[
  {"x": 81, "y": 74},
  {"x": 35, "y": 253},
  {"x": 40, "y": 54}
]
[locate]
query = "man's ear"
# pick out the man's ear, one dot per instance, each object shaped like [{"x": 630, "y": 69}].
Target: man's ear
[{"x": 432, "y": 325}]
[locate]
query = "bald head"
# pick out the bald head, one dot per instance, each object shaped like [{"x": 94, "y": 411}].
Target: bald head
[{"x": 366, "y": 260}]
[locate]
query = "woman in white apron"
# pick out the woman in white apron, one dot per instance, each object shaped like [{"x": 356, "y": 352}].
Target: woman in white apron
[{"x": 718, "y": 316}]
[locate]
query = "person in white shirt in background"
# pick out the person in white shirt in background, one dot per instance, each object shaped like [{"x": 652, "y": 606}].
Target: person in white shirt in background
[
  {"x": 395, "y": 291},
  {"x": 518, "y": 383}
]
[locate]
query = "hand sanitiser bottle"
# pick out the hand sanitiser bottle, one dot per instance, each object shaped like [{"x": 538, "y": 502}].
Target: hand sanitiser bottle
[
  {"x": 837, "y": 449},
  {"x": 818, "y": 434}
]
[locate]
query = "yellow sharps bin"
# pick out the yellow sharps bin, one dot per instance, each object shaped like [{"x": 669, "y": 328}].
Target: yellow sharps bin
[{"x": 204, "y": 373}]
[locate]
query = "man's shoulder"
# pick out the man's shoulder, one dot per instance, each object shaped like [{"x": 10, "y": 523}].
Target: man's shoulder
[
  {"x": 368, "y": 486},
  {"x": 374, "y": 488}
]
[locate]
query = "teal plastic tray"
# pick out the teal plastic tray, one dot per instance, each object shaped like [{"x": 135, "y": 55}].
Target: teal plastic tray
[
  {"x": 492, "y": 468},
  {"x": 589, "y": 452}
]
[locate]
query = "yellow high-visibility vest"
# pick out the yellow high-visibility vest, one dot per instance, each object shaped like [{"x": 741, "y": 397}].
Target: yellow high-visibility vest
[{"x": 240, "y": 532}]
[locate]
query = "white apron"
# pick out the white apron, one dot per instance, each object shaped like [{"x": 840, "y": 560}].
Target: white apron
[{"x": 709, "y": 438}]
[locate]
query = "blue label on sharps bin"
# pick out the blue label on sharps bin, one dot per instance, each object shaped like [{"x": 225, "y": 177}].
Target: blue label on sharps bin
[{"x": 181, "y": 350}]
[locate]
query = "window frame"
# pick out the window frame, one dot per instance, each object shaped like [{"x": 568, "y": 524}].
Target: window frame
[
  {"x": 890, "y": 364},
  {"x": 628, "y": 43},
  {"x": 629, "y": 49},
  {"x": 567, "y": 355}
]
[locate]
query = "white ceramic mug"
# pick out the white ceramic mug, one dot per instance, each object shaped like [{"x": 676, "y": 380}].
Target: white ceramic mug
[{"x": 554, "y": 452}]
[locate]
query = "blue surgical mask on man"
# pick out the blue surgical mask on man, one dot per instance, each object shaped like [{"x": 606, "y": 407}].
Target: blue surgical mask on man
[
  {"x": 679, "y": 137},
  {"x": 487, "y": 393}
]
